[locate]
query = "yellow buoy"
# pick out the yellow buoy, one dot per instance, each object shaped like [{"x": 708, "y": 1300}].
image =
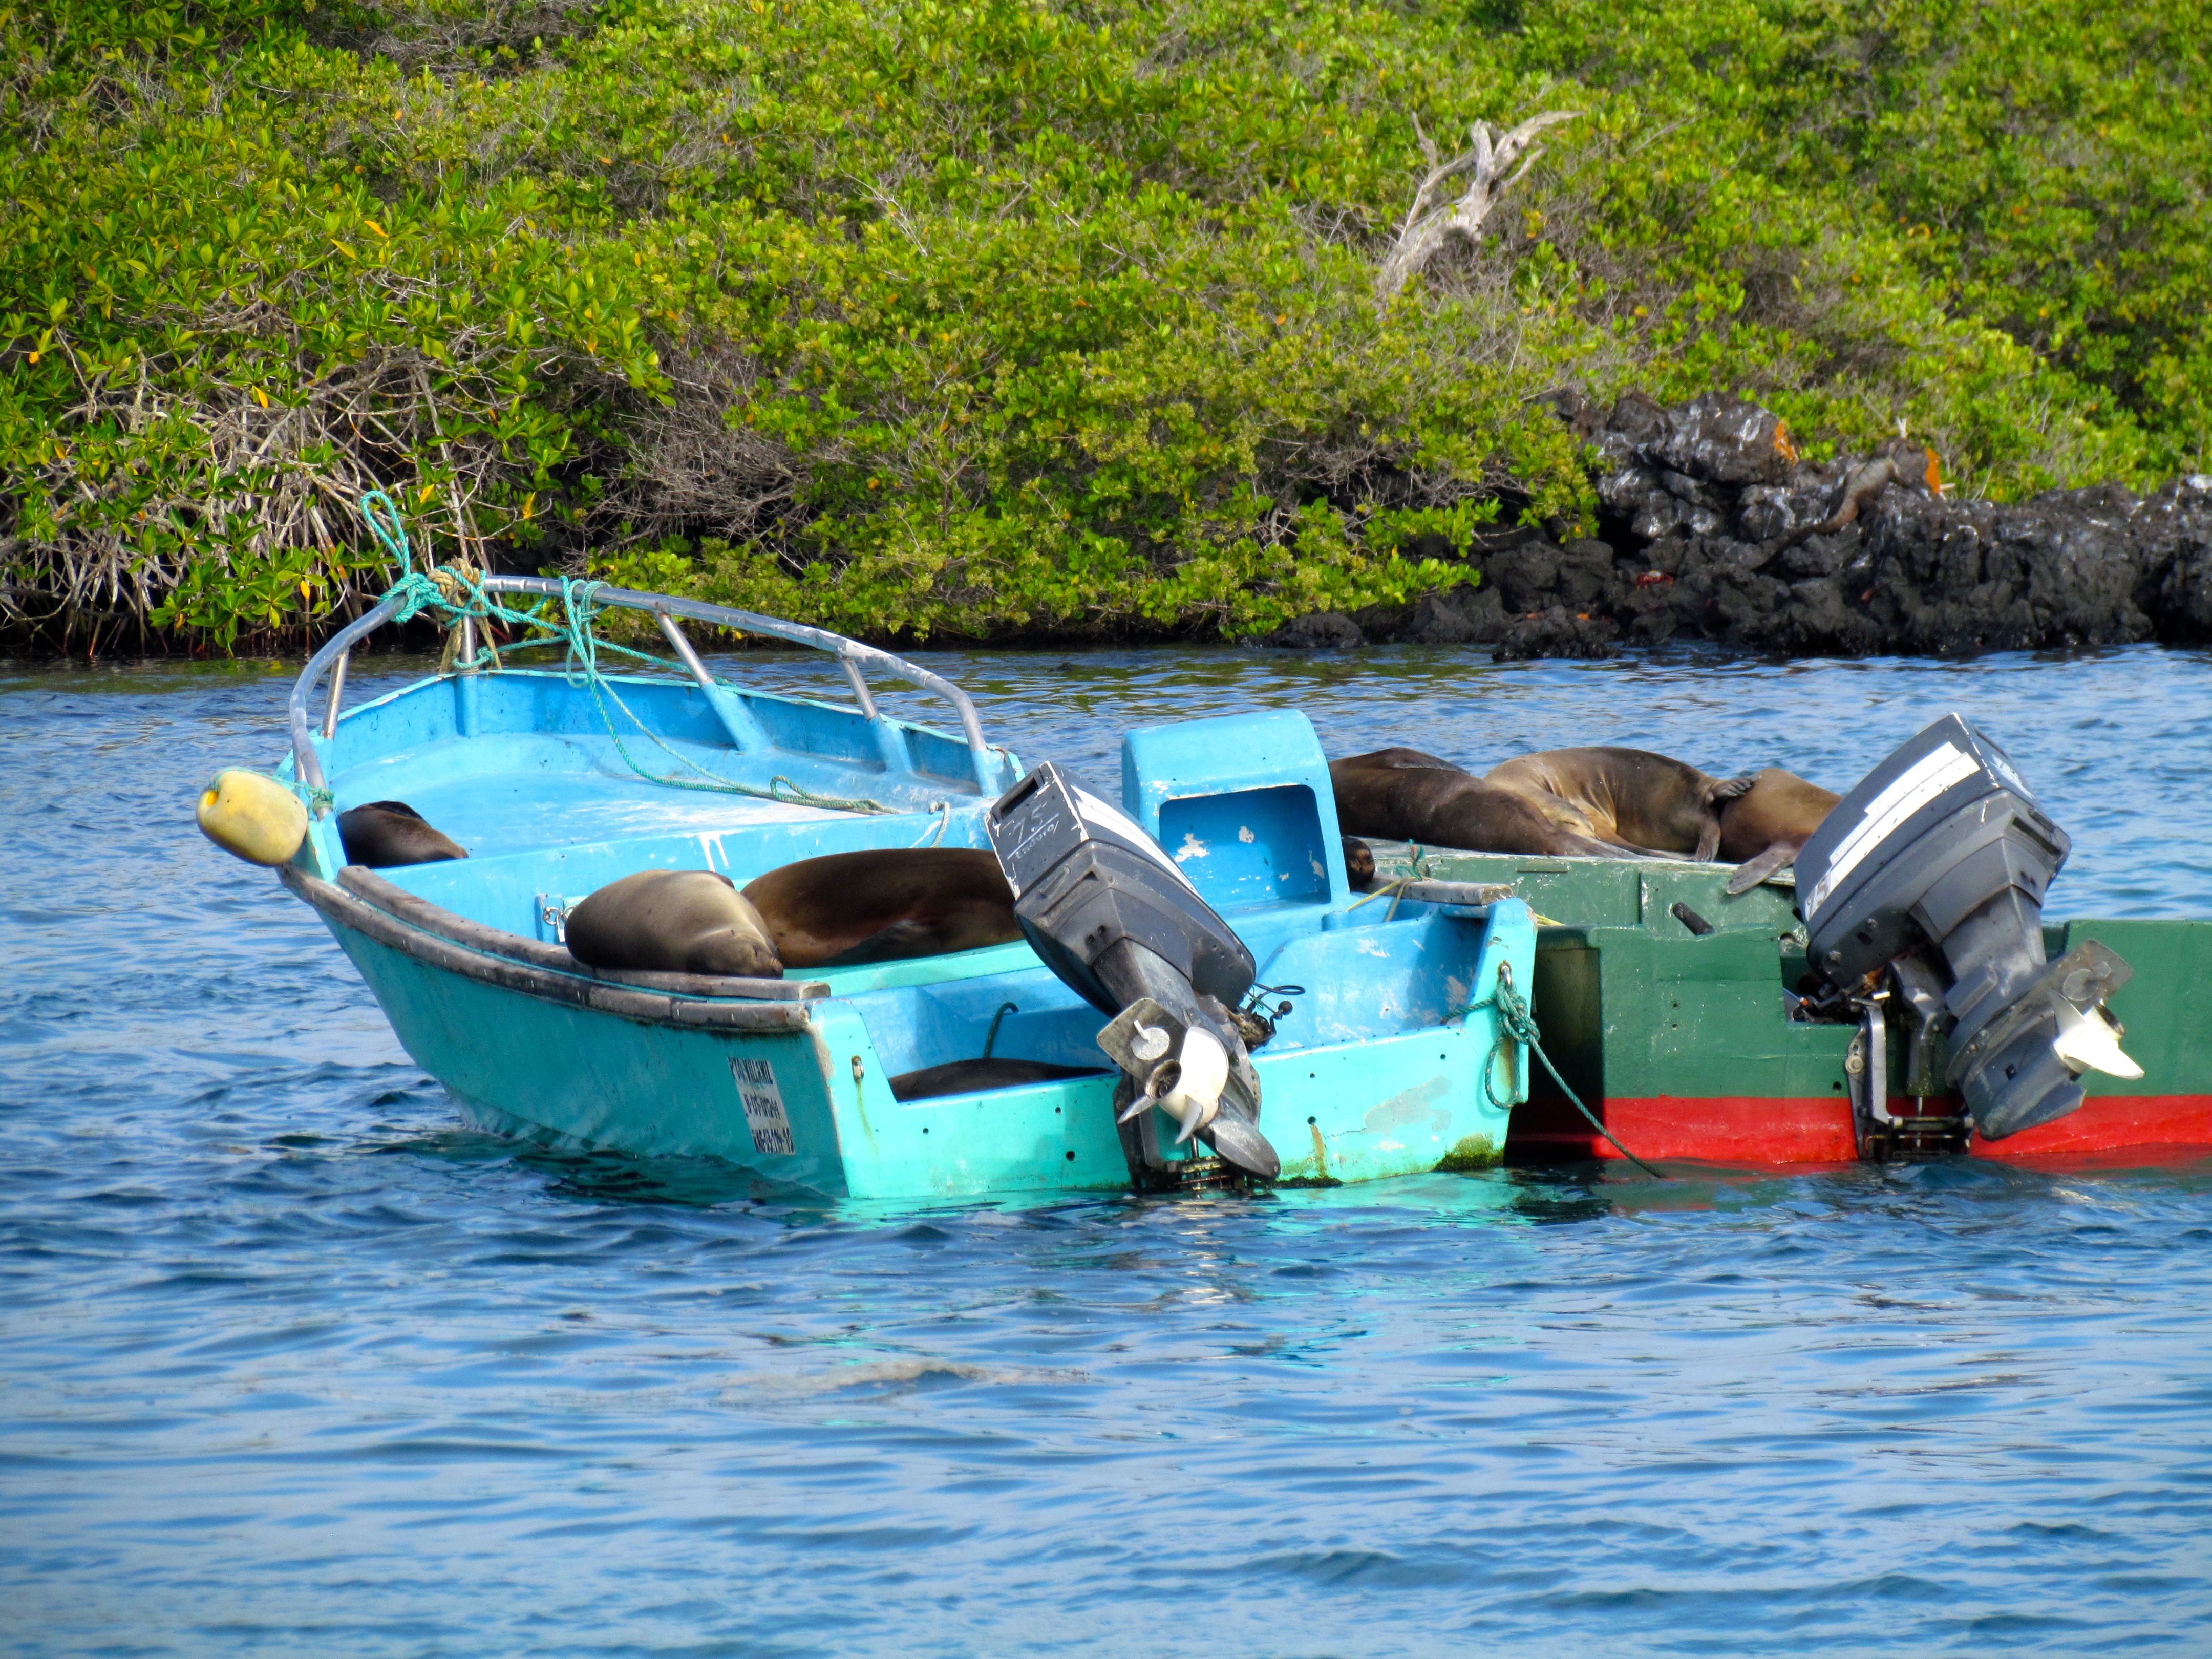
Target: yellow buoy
[{"x": 252, "y": 817}]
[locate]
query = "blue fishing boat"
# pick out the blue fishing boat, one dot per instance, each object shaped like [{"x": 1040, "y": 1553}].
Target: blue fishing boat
[{"x": 1365, "y": 1036}]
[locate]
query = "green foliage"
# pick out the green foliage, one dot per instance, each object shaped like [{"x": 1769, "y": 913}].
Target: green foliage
[
  {"x": 2038, "y": 168},
  {"x": 924, "y": 317}
]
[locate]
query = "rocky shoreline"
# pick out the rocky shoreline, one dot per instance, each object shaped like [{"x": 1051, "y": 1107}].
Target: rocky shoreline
[{"x": 1714, "y": 528}]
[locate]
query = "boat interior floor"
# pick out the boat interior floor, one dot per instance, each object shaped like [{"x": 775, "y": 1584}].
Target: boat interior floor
[{"x": 541, "y": 792}]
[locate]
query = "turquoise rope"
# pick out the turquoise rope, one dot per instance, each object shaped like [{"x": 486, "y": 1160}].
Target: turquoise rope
[
  {"x": 1515, "y": 1023},
  {"x": 382, "y": 514},
  {"x": 576, "y": 632}
]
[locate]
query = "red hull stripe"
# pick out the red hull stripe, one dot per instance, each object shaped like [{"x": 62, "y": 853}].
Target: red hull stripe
[
  {"x": 1817, "y": 1129},
  {"x": 2109, "y": 1122}
]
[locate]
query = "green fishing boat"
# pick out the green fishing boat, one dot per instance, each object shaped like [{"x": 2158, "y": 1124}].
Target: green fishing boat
[{"x": 1677, "y": 1012}]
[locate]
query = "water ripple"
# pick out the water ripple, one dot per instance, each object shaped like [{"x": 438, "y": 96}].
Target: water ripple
[{"x": 294, "y": 1361}]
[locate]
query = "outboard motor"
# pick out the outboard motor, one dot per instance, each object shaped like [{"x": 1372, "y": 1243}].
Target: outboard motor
[
  {"x": 1113, "y": 917},
  {"x": 1935, "y": 868}
]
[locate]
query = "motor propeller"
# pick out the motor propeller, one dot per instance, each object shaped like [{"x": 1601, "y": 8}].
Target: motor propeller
[
  {"x": 1937, "y": 865},
  {"x": 1111, "y": 914}
]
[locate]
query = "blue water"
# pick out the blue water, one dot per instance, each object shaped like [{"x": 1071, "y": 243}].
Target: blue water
[{"x": 292, "y": 1362}]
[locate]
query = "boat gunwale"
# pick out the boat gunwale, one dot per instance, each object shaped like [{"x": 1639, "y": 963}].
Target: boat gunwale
[
  {"x": 1414, "y": 853},
  {"x": 791, "y": 1012},
  {"x": 364, "y": 883}
]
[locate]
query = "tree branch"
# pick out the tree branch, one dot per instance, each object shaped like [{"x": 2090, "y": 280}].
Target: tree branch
[{"x": 1490, "y": 157}]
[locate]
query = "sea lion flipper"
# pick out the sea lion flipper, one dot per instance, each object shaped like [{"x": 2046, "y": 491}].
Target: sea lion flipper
[
  {"x": 1752, "y": 871},
  {"x": 1719, "y": 793},
  {"x": 1559, "y": 810}
]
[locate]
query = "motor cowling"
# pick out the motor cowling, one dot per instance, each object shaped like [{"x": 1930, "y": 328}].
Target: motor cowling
[
  {"x": 1941, "y": 857},
  {"x": 1114, "y": 918}
]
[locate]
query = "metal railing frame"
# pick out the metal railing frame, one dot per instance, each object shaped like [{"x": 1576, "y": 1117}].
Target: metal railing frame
[{"x": 851, "y": 654}]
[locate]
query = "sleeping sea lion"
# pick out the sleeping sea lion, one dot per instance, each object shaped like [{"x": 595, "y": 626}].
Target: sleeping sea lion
[
  {"x": 1765, "y": 829},
  {"x": 969, "y": 1076},
  {"x": 1629, "y": 797},
  {"x": 880, "y": 905},
  {"x": 386, "y": 834},
  {"x": 1359, "y": 864},
  {"x": 1402, "y": 794},
  {"x": 673, "y": 921}
]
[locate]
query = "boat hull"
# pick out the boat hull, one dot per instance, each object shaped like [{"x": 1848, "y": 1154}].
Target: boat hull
[
  {"x": 1390, "y": 1059},
  {"x": 1749, "y": 1129},
  {"x": 1684, "y": 1047},
  {"x": 799, "y": 1093}
]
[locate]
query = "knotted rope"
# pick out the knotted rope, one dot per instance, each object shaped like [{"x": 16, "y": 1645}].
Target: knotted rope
[
  {"x": 1516, "y": 1024},
  {"x": 455, "y": 593}
]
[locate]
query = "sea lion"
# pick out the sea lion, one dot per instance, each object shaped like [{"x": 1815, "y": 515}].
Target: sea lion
[
  {"x": 1359, "y": 864},
  {"x": 969, "y": 1076},
  {"x": 1402, "y": 794},
  {"x": 889, "y": 902},
  {"x": 1765, "y": 829},
  {"x": 1629, "y": 797},
  {"x": 673, "y": 921},
  {"x": 386, "y": 834}
]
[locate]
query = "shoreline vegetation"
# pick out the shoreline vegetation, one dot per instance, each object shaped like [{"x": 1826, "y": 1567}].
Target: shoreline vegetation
[{"x": 1018, "y": 323}]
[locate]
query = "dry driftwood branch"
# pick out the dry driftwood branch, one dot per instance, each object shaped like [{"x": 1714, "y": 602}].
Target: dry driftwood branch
[{"x": 1489, "y": 159}]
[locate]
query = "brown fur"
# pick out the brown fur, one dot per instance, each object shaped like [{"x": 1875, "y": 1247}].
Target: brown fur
[
  {"x": 1359, "y": 864},
  {"x": 1629, "y": 798},
  {"x": 386, "y": 834},
  {"x": 1766, "y": 827},
  {"x": 673, "y": 922},
  {"x": 1401, "y": 794},
  {"x": 883, "y": 904}
]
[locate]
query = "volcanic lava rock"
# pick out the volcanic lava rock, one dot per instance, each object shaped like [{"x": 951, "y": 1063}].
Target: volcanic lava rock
[
  {"x": 1557, "y": 631},
  {"x": 1524, "y": 576},
  {"x": 1719, "y": 529},
  {"x": 1711, "y": 440},
  {"x": 1458, "y": 616},
  {"x": 2176, "y": 522},
  {"x": 1323, "y": 631}
]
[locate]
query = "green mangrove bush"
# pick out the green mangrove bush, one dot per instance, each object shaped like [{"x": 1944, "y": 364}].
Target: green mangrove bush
[{"x": 1029, "y": 316}]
